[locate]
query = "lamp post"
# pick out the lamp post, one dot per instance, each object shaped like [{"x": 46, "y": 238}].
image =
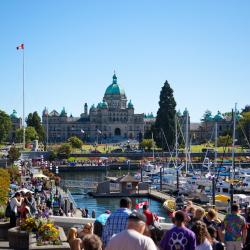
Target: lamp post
[{"x": 128, "y": 162}]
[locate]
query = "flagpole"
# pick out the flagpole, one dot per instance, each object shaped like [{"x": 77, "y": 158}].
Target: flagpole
[
  {"x": 47, "y": 130},
  {"x": 23, "y": 105}
]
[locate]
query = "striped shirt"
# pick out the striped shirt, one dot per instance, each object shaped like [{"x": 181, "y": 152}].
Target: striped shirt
[{"x": 116, "y": 223}]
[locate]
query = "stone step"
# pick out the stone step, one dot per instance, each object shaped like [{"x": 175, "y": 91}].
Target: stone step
[{"x": 4, "y": 245}]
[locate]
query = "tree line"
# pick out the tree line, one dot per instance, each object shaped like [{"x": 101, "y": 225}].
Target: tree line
[{"x": 162, "y": 131}]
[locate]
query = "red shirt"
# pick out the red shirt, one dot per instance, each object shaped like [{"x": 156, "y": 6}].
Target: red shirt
[{"x": 149, "y": 216}]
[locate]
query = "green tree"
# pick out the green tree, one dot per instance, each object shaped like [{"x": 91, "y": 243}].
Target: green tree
[
  {"x": 64, "y": 150},
  {"x": 4, "y": 186},
  {"x": 225, "y": 140},
  {"x": 207, "y": 116},
  {"x": 165, "y": 119},
  {"x": 30, "y": 134},
  {"x": 52, "y": 155},
  {"x": 243, "y": 128},
  {"x": 14, "y": 154},
  {"x": 34, "y": 121},
  {"x": 147, "y": 144},
  {"x": 14, "y": 173},
  {"x": 246, "y": 109},
  {"x": 5, "y": 126},
  {"x": 75, "y": 142}
]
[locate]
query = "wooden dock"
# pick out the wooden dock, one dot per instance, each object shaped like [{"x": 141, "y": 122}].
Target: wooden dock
[{"x": 161, "y": 196}]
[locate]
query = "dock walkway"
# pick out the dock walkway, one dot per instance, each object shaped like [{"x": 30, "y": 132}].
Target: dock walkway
[{"x": 161, "y": 196}]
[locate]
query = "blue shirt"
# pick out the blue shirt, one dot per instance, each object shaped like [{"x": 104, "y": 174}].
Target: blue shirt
[
  {"x": 102, "y": 218},
  {"x": 115, "y": 223}
]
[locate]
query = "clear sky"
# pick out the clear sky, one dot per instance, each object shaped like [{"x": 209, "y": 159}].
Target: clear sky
[{"x": 72, "y": 48}]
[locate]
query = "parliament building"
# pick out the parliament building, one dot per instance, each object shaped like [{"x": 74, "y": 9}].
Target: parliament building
[{"x": 112, "y": 120}]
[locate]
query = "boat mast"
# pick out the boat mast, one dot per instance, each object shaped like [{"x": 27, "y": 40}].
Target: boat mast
[
  {"x": 234, "y": 139},
  {"x": 186, "y": 141},
  {"x": 153, "y": 147},
  {"x": 176, "y": 155},
  {"x": 215, "y": 145},
  {"x": 176, "y": 142},
  {"x": 233, "y": 157}
]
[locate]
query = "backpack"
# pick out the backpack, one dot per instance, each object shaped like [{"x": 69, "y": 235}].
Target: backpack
[{"x": 8, "y": 210}]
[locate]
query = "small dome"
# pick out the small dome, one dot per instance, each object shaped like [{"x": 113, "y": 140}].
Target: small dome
[
  {"x": 218, "y": 117},
  {"x": 92, "y": 108},
  {"x": 99, "y": 105},
  {"x": 14, "y": 114},
  {"x": 114, "y": 88},
  {"x": 130, "y": 105},
  {"x": 104, "y": 105},
  {"x": 185, "y": 112},
  {"x": 63, "y": 112}
]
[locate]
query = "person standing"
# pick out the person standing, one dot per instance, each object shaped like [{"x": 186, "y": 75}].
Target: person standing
[
  {"x": 179, "y": 237},
  {"x": 132, "y": 237},
  {"x": 117, "y": 221},
  {"x": 100, "y": 223},
  {"x": 202, "y": 236},
  {"x": 15, "y": 203},
  {"x": 235, "y": 229},
  {"x": 149, "y": 215}
]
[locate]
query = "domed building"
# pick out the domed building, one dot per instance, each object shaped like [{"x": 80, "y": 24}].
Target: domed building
[{"x": 112, "y": 119}]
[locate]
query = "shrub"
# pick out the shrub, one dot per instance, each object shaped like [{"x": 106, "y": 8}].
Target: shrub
[{"x": 4, "y": 186}]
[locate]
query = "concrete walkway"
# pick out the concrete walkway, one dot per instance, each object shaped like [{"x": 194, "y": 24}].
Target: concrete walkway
[{"x": 4, "y": 245}]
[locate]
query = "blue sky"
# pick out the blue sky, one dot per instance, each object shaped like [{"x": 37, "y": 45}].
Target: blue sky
[{"x": 72, "y": 48}]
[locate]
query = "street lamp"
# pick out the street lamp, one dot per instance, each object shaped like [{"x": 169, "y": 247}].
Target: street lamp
[{"x": 128, "y": 162}]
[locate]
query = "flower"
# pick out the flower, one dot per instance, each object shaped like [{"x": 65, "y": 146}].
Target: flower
[{"x": 48, "y": 232}]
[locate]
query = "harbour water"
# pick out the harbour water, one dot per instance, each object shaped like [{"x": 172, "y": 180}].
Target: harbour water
[{"x": 83, "y": 200}]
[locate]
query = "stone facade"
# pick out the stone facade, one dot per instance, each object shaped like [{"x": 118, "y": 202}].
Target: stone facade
[
  {"x": 113, "y": 119},
  {"x": 205, "y": 131}
]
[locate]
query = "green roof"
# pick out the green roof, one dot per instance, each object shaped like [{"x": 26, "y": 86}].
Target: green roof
[
  {"x": 130, "y": 105},
  {"x": 63, "y": 112},
  {"x": 114, "y": 88},
  {"x": 14, "y": 114},
  {"x": 218, "y": 117}
]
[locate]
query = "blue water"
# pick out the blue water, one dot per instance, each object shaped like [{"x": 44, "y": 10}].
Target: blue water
[{"x": 102, "y": 204}]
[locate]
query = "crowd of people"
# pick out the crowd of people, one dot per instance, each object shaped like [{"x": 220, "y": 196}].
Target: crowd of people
[
  {"x": 193, "y": 229},
  {"x": 126, "y": 229}
]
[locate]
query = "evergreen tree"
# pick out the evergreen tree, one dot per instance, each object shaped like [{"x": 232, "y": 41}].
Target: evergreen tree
[
  {"x": 5, "y": 126},
  {"x": 34, "y": 121},
  {"x": 165, "y": 119}
]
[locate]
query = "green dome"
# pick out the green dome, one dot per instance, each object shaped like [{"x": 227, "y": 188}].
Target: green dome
[
  {"x": 130, "y": 105},
  {"x": 104, "y": 105},
  {"x": 92, "y": 107},
  {"x": 114, "y": 88},
  {"x": 218, "y": 117},
  {"x": 14, "y": 114},
  {"x": 63, "y": 112},
  {"x": 99, "y": 105}
]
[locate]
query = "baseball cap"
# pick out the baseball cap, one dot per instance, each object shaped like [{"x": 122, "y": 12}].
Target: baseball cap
[{"x": 137, "y": 216}]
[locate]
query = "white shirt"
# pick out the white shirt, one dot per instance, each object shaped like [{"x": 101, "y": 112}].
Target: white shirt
[
  {"x": 14, "y": 203},
  {"x": 130, "y": 240},
  {"x": 206, "y": 245}
]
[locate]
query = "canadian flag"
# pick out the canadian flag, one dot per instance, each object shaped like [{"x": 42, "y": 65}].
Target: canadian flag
[
  {"x": 140, "y": 204},
  {"x": 21, "y": 46}
]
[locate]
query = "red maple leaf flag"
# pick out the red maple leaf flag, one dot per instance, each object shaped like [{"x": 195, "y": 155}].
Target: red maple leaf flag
[
  {"x": 21, "y": 46},
  {"x": 140, "y": 204}
]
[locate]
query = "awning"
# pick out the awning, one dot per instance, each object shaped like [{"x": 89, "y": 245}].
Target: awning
[
  {"x": 25, "y": 190},
  {"x": 40, "y": 175}
]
